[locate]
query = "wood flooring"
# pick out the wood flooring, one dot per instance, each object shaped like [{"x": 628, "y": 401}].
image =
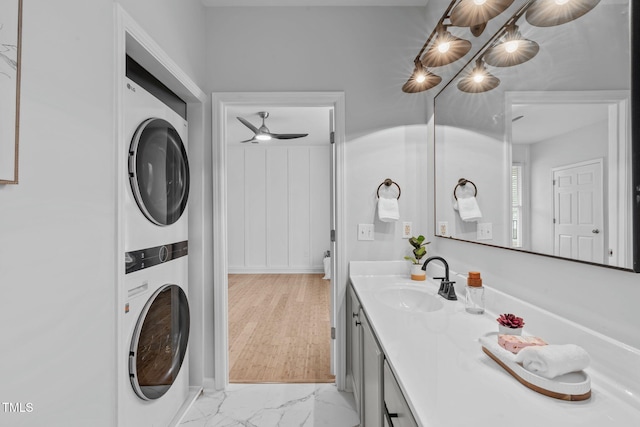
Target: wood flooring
[{"x": 279, "y": 328}]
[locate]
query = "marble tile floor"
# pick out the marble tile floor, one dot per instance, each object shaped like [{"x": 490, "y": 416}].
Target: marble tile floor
[{"x": 273, "y": 405}]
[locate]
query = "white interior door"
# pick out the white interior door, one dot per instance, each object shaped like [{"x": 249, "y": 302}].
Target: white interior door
[
  {"x": 333, "y": 245},
  {"x": 578, "y": 211}
]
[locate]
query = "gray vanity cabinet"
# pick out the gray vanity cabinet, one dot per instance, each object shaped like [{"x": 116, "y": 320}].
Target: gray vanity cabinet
[
  {"x": 354, "y": 349},
  {"x": 372, "y": 360},
  {"x": 397, "y": 412},
  {"x": 378, "y": 396}
]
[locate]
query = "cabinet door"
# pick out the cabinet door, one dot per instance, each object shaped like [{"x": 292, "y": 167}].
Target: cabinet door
[
  {"x": 354, "y": 339},
  {"x": 398, "y": 413},
  {"x": 372, "y": 360}
]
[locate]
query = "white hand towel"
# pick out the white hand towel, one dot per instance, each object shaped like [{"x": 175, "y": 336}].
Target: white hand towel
[
  {"x": 388, "y": 209},
  {"x": 468, "y": 209},
  {"x": 550, "y": 361},
  {"x": 327, "y": 268}
]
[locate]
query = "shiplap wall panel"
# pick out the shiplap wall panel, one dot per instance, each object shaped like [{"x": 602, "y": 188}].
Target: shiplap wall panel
[
  {"x": 235, "y": 204},
  {"x": 278, "y": 208},
  {"x": 277, "y": 179},
  {"x": 299, "y": 208},
  {"x": 255, "y": 190}
]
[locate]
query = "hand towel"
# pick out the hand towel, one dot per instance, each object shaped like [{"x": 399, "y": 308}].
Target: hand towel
[
  {"x": 468, "y": 209},
  {"x": 388, "y": 209},
  {"x": 550, "y": 361}
]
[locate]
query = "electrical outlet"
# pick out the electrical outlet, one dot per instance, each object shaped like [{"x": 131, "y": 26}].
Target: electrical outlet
[
  {"x": 485, "y": 231},
  {"x": 406, "y": 230},
  {"x": 443, "y": 228},
  {"x": 365, "y": 231}
]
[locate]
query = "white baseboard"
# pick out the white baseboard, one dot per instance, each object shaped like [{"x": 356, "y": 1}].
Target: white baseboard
[{"x": 263, "y": 270}]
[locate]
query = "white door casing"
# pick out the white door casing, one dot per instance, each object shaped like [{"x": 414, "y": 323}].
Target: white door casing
[{"x": 220, "y": 103}]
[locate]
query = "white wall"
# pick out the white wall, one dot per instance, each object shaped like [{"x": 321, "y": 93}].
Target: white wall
[
  {"x": 278, "y": 208},
  {"x": 57, "y": 227}
]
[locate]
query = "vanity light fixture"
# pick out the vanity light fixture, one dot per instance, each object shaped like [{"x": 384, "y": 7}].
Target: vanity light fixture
[
  {"x": 471, "y": 13},
  {"x": 445, "y": 49},
  {"x": 548, "y": 13},
  {"x": 479, "y": 79},
  {"x": 421, "y": 79},
  {"x": 511, "y": 49}
]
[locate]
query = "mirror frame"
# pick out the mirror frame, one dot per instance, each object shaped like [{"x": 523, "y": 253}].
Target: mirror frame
[{"x": 634, "y": 28}]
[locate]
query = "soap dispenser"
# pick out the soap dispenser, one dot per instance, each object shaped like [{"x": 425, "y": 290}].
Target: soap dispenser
[{"x": 474, "y": 302}]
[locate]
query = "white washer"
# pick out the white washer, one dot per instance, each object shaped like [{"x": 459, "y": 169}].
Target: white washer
[
  {"x": 157, "y": 184},
  {"x": 154, "y": 372}
]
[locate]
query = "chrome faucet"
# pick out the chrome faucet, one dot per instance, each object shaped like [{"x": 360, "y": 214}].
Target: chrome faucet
[{"x": 446, "y": 286}]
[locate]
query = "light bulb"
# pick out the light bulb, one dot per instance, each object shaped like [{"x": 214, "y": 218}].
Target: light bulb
[
  {"x": 481, "y": 2},
  {"x": 444, "y": 47},
  {"x": 561, "y": 2},
  {"x": 263, "y": 137},
  {"x": 511, "y": 46},
  {"x": 420, "y": 77},
  {"x": 478, "y": 77}
]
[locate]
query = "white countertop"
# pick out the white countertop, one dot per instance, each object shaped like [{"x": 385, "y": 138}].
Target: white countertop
[{"x": 449, "y": 382}]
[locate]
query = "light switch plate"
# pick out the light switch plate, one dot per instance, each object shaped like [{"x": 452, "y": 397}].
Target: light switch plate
[
  {"x": 365, "y": 231},
  {"x": 406, "y": 230},
  {"x": 485, "y": 231}
]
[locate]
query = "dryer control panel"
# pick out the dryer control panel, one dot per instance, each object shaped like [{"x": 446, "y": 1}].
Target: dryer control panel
[{"x": 145, "y": 258}]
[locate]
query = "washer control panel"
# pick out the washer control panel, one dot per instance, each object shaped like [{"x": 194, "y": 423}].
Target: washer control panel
[{"x": 145, "y": 258}]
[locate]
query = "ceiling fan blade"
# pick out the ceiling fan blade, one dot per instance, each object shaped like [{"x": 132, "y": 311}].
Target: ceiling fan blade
[
  {"x": 249, "y": 140},
  {"x": 288, "y": 135},
  {"x": 248, "y": 124}
]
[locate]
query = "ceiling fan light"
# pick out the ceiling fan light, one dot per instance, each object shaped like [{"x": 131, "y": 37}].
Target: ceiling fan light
[
  {"x": 469, "y": 13},
  {"x": 549, "y": 13},
  {"x": 263, "y": 137}
]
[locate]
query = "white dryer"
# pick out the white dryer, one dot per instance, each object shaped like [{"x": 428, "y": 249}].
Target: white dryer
[
  {"x": 157, "y": 182},
  {"x": 154, "y": 372}
]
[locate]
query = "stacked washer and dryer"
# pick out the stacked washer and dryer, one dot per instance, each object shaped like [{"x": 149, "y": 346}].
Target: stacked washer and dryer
[{"x": 154, "y": 381}]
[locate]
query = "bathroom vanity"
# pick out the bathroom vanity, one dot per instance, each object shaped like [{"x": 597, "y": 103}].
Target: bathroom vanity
[{"x": 414, "y": 359}]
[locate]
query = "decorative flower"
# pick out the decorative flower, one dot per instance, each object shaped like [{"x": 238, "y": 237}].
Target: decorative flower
[{"x": 510, "y": 321}]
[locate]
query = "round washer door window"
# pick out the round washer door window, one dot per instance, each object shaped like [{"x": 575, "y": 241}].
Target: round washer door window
[
  {"x": 159, "y": 342},
  {"x": 159, "y": 171}
]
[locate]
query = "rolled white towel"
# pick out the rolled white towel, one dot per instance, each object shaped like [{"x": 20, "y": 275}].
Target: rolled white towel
[{"x": 550, "y": 361}]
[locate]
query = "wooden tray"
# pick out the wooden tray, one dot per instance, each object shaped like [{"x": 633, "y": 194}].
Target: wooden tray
[{"x": 574, "y": 386}]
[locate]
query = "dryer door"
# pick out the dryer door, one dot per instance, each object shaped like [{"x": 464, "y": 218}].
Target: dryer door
[
  {"x": 159, "y": 342},
  {"x": 159, "y": 171}
]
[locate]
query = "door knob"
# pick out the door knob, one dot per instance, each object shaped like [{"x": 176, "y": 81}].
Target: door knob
[{"x": 595, "y": 231}]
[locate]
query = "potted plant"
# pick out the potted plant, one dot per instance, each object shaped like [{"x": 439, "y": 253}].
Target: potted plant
[
  {"x": 419, "y": 251},
  {"x": 510, "y": 324}
]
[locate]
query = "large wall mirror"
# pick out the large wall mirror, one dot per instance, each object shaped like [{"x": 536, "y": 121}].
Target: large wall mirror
[{"x": 535, "y": 153}]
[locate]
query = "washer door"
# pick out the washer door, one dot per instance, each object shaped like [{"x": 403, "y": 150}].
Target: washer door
[
  {"x": 159, "y": 171},
  {"x": 159, "y": 342}
]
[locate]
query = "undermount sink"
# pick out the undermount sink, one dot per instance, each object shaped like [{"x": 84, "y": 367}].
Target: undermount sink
[{"x": 409, "y": 298}]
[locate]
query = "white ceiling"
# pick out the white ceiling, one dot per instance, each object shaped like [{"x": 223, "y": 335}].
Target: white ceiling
[
  {"x": 224, "y": 3},
  {"x": 541, "y": 122}
]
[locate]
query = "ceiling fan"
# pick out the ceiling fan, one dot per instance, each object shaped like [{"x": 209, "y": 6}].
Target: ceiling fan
[{"x": 263, "y": 134}]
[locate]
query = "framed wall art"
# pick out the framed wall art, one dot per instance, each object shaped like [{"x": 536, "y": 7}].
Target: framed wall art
[{"x": 10, "y": 44}]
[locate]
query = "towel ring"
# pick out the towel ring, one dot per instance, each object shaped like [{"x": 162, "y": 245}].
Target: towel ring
[
  {"x": 388, "y": 182},
  {"x": 461, "y": 183}
]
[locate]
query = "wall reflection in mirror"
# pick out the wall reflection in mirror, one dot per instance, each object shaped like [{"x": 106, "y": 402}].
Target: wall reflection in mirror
[{"x": 540, "y": 121}]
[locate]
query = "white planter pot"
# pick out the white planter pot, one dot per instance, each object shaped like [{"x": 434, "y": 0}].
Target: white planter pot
[{"x": 417, "y": 273}]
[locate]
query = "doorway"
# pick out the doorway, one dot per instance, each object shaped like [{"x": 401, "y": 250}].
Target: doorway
[{"x": 223, "y": 106}]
